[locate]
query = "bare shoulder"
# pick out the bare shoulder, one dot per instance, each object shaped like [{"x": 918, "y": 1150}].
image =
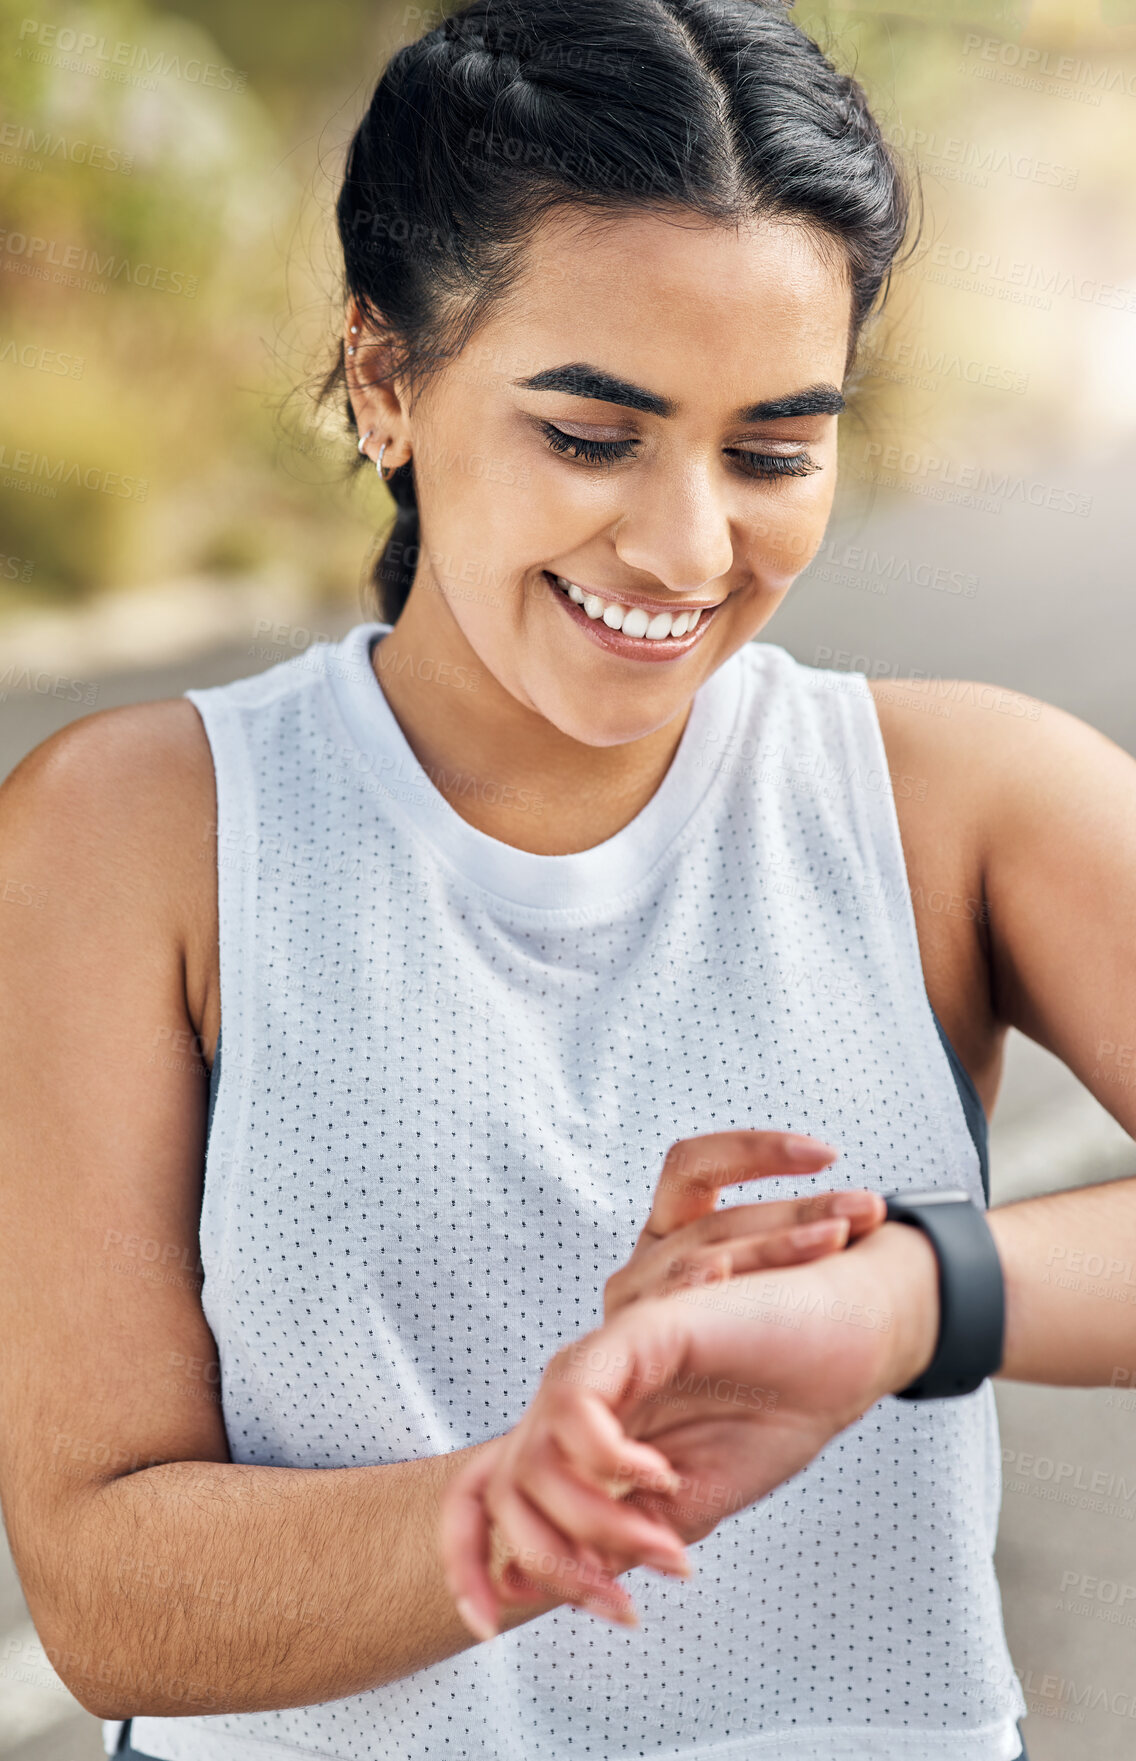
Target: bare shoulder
[
  {"x": 1029, "y": 812},
  {"x": 977, "y": 747},
  {"x": 943, "y": 723},
  {"x": 125, "y": 799}
]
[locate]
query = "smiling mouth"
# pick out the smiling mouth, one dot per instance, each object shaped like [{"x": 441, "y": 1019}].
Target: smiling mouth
[{"x": 632, "y": 620}]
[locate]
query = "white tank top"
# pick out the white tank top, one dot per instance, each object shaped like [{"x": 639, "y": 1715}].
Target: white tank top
[{"x": 452, "y": 1069}]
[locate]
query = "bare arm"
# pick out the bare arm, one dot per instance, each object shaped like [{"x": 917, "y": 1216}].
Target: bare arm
[
  {"x": 162, "y": 1577},
  {"x": 1051, "y": 805},
  {"x": 199, "y": 1586},
  {"x": 1060, "y": 877}
]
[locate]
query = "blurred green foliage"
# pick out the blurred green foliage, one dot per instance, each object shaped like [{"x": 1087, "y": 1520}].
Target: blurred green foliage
[
  {"x": 166, "y": 182},
  {"x": 169, "y": 274}
]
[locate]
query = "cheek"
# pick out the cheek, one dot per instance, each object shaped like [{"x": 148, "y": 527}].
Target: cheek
[{"x": 785, "y": 536}]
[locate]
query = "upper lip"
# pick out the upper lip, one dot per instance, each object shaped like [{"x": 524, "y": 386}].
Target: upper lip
[{"x": 611, "y": 597}]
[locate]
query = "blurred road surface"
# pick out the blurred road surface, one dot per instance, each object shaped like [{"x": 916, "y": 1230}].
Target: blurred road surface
[{"x": 1036, "y": 600}]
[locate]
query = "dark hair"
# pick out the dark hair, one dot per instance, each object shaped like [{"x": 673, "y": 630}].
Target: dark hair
[{"x": 511, "y": 108}]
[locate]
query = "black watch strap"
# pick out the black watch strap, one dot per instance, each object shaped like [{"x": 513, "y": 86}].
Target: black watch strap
[{"x": 972, "y": 1295}]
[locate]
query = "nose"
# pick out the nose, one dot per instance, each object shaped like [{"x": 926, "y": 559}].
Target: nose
[{"x": 677, "y": 531}]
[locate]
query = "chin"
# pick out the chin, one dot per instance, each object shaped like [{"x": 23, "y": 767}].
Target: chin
[{"x": 600, "y": 724}]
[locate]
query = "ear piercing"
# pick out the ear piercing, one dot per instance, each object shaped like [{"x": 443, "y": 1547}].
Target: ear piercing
[{"x": 379, "y": 461}]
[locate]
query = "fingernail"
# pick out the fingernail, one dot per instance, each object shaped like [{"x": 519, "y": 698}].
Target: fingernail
[
  {"x": 851, "y": 1204},
  {"x": 806, "y": 1149},
  {"x": 806, "y": 1233},
  {"x": 480, "y": 1625}
]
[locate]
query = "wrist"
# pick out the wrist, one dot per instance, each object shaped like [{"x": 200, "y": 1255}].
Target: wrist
[{"x": 904, "y": 1268}]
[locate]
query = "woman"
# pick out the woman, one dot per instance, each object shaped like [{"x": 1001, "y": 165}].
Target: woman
[{"x": 547, "y": 869}]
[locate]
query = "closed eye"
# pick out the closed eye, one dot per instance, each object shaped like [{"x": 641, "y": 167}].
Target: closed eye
[
  {"x": 594, "y": 452},
  {"x": 776, "y": 464},
  {"x": 608, "y": 452}
]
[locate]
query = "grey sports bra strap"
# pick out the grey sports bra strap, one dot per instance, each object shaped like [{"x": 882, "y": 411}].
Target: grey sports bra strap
[
  {"x": 971, "y": 1106},
  {"x": 214, "y": 1081}
]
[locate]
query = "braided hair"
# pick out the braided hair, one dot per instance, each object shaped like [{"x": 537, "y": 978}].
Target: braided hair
[{"x": 511, "y": 108}]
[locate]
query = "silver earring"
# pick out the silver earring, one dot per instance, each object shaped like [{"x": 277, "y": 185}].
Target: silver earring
[
  {"x": 354, "y": 330},
  {"x": 379, "y": 460},
  {"x": 364, "y": 440}
]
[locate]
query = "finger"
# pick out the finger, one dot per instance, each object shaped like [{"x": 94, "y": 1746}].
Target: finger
[
  {"x": 464, "y": 1543},
  {"x": 598, "y": 1450},
  {"x": 696, "y": 1168},
  {"x": 686, "y": 1255},
  {"x": 862, "y": 1208},
  {"x": 531, "y": 1555},
  {"x": 789, "y": 1247},
  {"x": 539, "y": 1561},
  {"x": 618, "y": 1533}
]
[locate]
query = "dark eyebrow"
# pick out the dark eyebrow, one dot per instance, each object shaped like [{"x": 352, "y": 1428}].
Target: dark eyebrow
[
  {"x": 579, "y": 380},
  {"x": 814, "y": 400}
]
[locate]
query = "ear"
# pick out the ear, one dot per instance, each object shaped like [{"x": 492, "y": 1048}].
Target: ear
[{"x": 377, "y": 401}]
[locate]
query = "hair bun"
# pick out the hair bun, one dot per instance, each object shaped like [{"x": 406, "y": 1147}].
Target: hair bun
[{"x": 466, "y": 37}]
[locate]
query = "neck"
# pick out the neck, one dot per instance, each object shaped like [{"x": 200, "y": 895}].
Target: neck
[{"x": 501, "y": 765}]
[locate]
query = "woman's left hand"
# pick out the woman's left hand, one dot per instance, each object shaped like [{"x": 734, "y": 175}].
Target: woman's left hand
[{"x": 687, "y": 1240}]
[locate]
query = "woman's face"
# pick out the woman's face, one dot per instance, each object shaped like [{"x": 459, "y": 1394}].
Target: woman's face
[{"x": 648, "y": 349}]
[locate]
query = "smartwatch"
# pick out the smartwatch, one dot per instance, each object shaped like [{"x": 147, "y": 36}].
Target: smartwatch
[{"x": 972, "y": 1292}]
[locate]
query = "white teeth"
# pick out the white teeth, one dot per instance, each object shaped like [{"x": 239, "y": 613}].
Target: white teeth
[{"x": 632, "y": 620}]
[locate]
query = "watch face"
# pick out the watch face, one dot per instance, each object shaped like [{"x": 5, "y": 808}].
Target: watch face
[{"x": 949, "y": 1197}]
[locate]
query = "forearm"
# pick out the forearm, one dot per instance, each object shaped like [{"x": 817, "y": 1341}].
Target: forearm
[
  {"x": 1069, "y": 1262},
  {"x": 206, "y": 1587}
]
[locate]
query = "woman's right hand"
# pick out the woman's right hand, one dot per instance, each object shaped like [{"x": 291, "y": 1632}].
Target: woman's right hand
[{"x": 650, "y": 1430}]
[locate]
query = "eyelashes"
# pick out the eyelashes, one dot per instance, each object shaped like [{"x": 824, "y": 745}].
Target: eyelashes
[
  {"x": 594, "y": 452},
  {"x": 608, "y": 452}
]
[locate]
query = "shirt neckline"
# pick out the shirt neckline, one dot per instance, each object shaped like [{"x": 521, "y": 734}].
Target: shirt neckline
[{"x": 583, "y": 880}]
